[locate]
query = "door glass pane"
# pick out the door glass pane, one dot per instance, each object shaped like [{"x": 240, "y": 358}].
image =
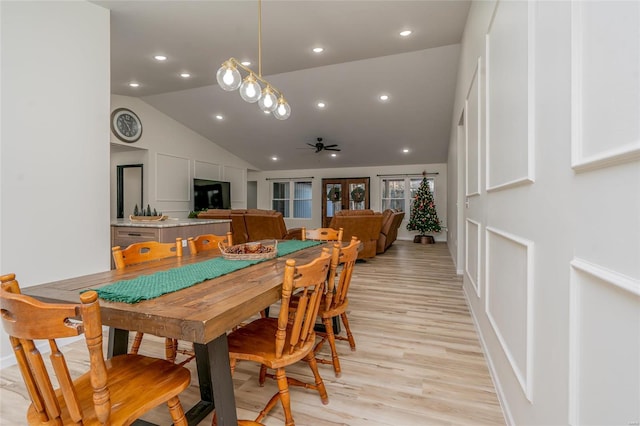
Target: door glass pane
[
  {"x": 334, "y": 198},
  {"x": 357, "y": 196}
]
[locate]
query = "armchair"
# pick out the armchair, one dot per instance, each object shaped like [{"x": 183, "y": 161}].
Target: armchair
[
  {"x": 363, "y": 224},
  {"x": 391, "y": 220}
]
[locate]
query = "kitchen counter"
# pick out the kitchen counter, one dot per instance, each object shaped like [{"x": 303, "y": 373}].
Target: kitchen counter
[
  {"x": 167, "y": 223},
  {"x": 125, "y": 232}
]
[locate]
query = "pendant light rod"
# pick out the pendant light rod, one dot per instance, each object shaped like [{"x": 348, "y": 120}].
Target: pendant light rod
[
  {"x": 269, "y": 98},
  {"x": 260, "y": 38}
]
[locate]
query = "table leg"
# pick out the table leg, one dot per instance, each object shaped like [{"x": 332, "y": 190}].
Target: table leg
[
  {"x": 336, "y": 326},
  {"x": 214, "y": 379},
  {"x": 118, "y": 342},
  {"x": 205, "y": 405}
]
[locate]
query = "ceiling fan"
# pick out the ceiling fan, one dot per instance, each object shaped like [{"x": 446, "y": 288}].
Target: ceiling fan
[{"x": 319, "y": 146}]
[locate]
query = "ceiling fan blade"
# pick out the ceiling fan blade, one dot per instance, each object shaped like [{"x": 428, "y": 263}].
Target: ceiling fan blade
[
  {"x": 331, "y": 146},
  {"x": 312, "y": 145},
  {"x": 331, "y": 149}
]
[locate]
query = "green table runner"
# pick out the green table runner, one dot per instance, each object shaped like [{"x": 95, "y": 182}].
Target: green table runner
[{"x": 151, "y": 286}]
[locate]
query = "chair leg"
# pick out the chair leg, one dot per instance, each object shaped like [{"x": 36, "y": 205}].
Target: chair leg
[
  {"x": 345, "y": 321},
  {"x": 176, "y": 411},
  {"x": 310, "y": 358},
  {"x": 263, "y": 375},
  {"x": 170, "y": 349},
  {"x": 189, "y": 353},
  {"x": 267, "y": 408},
  {"x": 283, "y": 387},
  {"x": 135, "y": 347},
  {"x": 332, "y": 343}
]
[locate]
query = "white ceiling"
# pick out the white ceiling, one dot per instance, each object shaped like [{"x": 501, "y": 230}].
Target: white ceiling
[{"x": 364, "y": 57}]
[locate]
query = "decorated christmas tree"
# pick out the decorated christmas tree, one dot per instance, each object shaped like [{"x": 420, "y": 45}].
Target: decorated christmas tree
[{"x": 424, "y": 218}]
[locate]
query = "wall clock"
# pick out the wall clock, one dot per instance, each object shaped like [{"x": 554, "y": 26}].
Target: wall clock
[{"x": 126, "y": 125}]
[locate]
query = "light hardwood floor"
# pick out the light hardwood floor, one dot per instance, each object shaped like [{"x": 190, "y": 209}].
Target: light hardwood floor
[{"x": 418, "y": 360}]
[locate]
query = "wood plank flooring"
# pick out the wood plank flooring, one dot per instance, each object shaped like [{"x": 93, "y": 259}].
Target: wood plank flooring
[{"x": 418, "y": 360}]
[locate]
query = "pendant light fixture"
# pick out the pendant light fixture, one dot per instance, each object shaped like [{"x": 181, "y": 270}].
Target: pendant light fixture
[{"x": 269, "y": 98}]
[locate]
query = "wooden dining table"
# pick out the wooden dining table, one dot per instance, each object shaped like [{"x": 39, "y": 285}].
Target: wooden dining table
[{"x": 202, "y": 314}]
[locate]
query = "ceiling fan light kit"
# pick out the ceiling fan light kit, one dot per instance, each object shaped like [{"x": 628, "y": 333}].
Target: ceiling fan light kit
[{"x": 270, "y": 99}]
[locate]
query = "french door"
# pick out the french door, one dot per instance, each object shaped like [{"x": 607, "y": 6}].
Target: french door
[{"x": 343, "y": 194}]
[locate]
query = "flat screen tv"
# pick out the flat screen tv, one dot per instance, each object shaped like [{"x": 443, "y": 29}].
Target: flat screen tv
[{"x": 211, "y": 194}]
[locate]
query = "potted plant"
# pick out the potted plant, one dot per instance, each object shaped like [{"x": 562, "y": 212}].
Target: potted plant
[{"x": 146, "y": 214}]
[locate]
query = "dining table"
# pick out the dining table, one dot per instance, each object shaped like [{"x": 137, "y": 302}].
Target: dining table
[{"x": 201, "y": 314}]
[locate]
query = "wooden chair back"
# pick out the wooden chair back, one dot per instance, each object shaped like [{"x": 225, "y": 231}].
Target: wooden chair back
[
  {"x": 109, "y": 392},
  {"x": 144, "y": 252},
  {"x": 337, "y": 290},
  {"x": 322, "y": 234},
  {"x": 209, "y": 242},
  {"x": 26, "y": 319},
  {"x": 147, "y": 251},
  {"x": 308, "y": 282}
]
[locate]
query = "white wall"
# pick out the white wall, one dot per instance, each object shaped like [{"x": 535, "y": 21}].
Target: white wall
[
  {"x": 54, "y": 142},
  {"x": 455, "y": 198},
  {"x": 551, "y": 95},
  {"x": 172, "y": 156},
  {"x": 440, "y": 198}
]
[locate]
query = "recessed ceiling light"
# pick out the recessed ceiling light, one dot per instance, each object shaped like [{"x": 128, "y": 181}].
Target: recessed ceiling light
[
  {"x": 219, "y": 117},
  {"x": 134, "y": 84},
  {"x": 405, "y": 33},
  {"x": 334, "y": 155},
  {"x": 267, "y": 112},
  {"x": 318, "y": 49},
  {"x": 384, "y": 97},
  {"x": 405, "y": 150},
  {"x": 185, "y": 75},
  {"x": 274, "y": 158},
  {"x": 246, "y": 63},
  {"x": 160, "y": 58},
  {"x": 321, "y": 105}
]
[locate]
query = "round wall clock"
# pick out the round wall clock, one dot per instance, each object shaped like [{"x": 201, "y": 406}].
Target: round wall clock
[{"x": 126, "y": 125}]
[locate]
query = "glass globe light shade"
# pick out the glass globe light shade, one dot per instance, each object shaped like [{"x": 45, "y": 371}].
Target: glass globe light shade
[
  {"x": 269, "y": 101},
  {"x": 283, "y": 110},
  {"x": 250, "y": 90},
  {"x": 228, "y": 77}
]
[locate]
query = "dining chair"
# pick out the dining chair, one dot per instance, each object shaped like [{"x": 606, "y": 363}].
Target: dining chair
[
  {"x": 208, "y": 242},
  {"x": 116, "y": 391},
  {"x": 276, "y": 343},
  {"x": 147, "y": 251},
  {"x": 322, "y": 234},
  {"x": 336, "y": 303}
]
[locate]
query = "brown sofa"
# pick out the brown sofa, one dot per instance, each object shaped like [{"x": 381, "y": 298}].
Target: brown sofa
[
  {"x": 391, "y": 220},
  {"x": 254, "y": 224},
  {"x": 364, "y": 224}
]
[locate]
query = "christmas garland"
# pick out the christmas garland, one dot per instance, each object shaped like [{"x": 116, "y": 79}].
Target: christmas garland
[
  {"x": 357, "y": 195},
  {"x": 334, "y": 194}
]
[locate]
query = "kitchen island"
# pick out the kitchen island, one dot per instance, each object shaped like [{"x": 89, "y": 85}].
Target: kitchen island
[{"x": 125, "y": 231}]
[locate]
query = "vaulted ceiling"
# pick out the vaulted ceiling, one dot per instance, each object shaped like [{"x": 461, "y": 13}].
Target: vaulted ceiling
[{"x": 364, "y": 57}]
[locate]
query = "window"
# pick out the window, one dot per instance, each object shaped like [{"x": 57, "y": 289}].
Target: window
[
  {"x": 395, "y": 195},
  {"x": 292, "y": 196}
]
